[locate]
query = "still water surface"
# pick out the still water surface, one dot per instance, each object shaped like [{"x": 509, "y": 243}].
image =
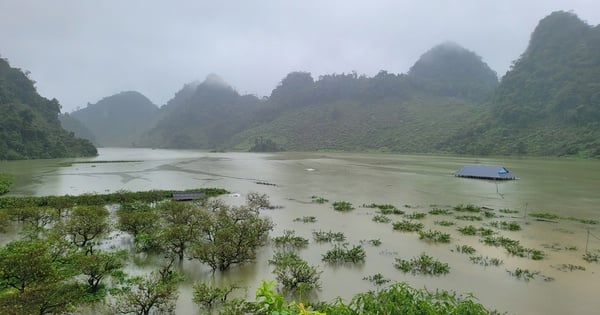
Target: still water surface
[{"x": 414, "y": 183}]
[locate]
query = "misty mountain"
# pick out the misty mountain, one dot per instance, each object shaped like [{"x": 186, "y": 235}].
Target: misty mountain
[
  {"x": 451, "y": 70},
  {"x": 75, "y": 126},
  {"x": 29, "y": 125},
  {"x": 118, "y": 120},
  {"x": 549, "y": 102},
  {"x": 202, "y": 116}
]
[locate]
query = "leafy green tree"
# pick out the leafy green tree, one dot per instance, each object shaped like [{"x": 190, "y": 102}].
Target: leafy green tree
[
  {"x": 231, "y": 235},
  {"x": 208, "y": 297},
  {"x": 183, "y": 223},
  {"x": 86, "y": 224},
  {"x": 155, "y": 293},
  {"x": 99, "y": 265}
]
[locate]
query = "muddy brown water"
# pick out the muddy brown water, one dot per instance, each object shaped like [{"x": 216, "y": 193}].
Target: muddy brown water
[{"x": 413, "y": 183}]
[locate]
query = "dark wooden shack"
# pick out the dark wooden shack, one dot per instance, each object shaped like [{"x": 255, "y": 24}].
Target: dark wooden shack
[
  {"x": 494, "y": 172},
  {"x": 188, "y": 196}
]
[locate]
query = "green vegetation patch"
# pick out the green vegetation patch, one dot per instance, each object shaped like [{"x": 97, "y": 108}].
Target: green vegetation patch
[
  {"x": 469, "y": 217},
  {"x": 384, "y": 209},
  {"x": 486, "y": 261},
  {"x": 289, "y": 239},
  {"x": 465, "y": 249},
  {"x": 6, "y": 181},
  {"x": 440, "y": 211},
  {"x": 342, "y": 254},
  {"x": 317, "y": 199},
  {"x": 551, "y": 216},
  {"x": 508, "y": 211},
  {"x": 407, "y": 226},
  {"x": 423, "y": 265},
  {"x": 444, "y": 223},
  {"x": 380, "y": 218},
  {"x": 377, "y": 279},
  {"x": 507, "y": 226},
  {"x": 513, "y": 247},
  {"x": 471, "y": 230},
  {"x": 343, "y": 206},
  {"x": 323, "y": 237},
  {"x": 415, "y": 216},
  {"x": 434, "y": 236},
  {"x": 523, "y": 274},
  {"x": 467, "y": 208}
]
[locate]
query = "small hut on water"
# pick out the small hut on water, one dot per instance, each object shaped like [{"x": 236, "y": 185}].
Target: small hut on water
[{"x": 494, "y": 172}]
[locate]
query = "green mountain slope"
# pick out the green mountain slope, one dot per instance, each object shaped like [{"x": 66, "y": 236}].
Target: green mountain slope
[
  {"x": 549, "y": 102},
  {"x": 75, "y": 126},
  {"x": 29, "y": 125},
  {"x": 204, "y": 119},
  {"x": 118, "y": 120}
]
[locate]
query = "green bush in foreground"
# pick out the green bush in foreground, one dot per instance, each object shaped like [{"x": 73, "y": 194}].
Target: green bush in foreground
[{"x": 5, "y": 183}]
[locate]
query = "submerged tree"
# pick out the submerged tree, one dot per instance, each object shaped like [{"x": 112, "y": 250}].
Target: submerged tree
[{"x": 231, "y": 235}]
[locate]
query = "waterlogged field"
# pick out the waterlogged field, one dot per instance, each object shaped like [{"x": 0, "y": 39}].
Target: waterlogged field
[{"x": 518, "y": 246}]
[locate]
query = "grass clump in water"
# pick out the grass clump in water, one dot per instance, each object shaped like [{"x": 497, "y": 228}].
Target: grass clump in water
[
  {"x": 384, "y": 208},
  {"x": 343, "y": 254},
  {"x": 508, "y": 211},
  {"x": 440, "y": 211},
  {"x": 415, "y": 216},
  {"x": 317, "y": 199},
  {"x": 377, "y": 279},
  {"x": 380, "y": 218},
  {"x": 471, "y": 230},
  {"x": 434, "y": 236},
  {"x": 306, "y": 219},
  {"x": 467, "y": 208},
  {"x": 591, "y": 257},
  {"x": 322, "y": 237},
  {"x": 486, "y": 261},
  {"x": 444, "y": 223},
  {"x": 465, "y": 249},
  {"x": 507, "y": 226},
  {"x": 342, "y": 206},
  {"x": 523, "y": 274},
  {"x": 423, "y": 265},
  {"x": 290, "y": 240},
  {"x": 407, "y": 226},
  {"x": 469, "y": 217},
  {"x": 513, "y": 247}
]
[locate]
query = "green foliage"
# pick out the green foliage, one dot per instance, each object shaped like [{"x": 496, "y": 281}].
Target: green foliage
[
  {"x": 469, "y": 217},
  {"x": 465, "y": 249},
  {"x": 380, "y": 218},
  {"x": 384, "y": 209},
  {"x": 343, "y": 206},
  {"x": 295, "y": 274},
  {"x": 230, "y": 235},
  {"x": 318, "y": 199},
  {"x": 508, "y": 211},
  {"x": 154, "y": 293},
  {"x": 407, "y": 226},
  {"x": 514, "y": 247},
  {"x": 208, "y": 297},
  {"x": 485, "y": 261},
  {"x": 444, "y": 223},
  {"x": 377, "y": 279},
  {"x": 342, "y": 254},
  {"x": 438, "y": 211},
  {"x": 434, "y": 236},
  {"x": 423, "y": 264},
  {"x": 591, "y": 257},
  {"x": 6, "y": 181},
  {"x": 400, "y": 298},
  {"x": 503, "y": 225},
  {"x": 321, "y": 236},
  {"x": 415, "y": 216},
  {"x": 523, "y": 274},
  {"x": 289, "y": 240},
  {"x": 29, "y": 125},
  {"x": 471, "y": 230},
  {"x": 85, "y": 225},
  {"x": 467, "y": 208}
]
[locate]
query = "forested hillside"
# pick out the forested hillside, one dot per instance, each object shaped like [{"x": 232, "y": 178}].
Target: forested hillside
[
  {"x": 450, "y": 101},
  {"x": 202, "y": 116},
  {"x": 118, "y": 120},
  {"x": 29, "y": 125},
  {"x": 549, "y": 102}
]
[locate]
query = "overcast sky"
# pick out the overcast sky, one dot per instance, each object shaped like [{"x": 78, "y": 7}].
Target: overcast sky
[{"x": 81, "y": 51}]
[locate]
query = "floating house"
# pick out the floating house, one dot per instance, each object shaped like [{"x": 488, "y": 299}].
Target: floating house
[
  {"x": 187, "y": 196},
  {"x": 494, "y": 172}
]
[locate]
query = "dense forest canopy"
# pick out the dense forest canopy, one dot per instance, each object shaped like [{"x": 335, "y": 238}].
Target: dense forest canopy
[{"x": 29, "y": 125}]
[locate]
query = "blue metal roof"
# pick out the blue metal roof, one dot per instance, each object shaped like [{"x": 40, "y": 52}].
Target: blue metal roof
[{"x": 485, "y": 172}]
